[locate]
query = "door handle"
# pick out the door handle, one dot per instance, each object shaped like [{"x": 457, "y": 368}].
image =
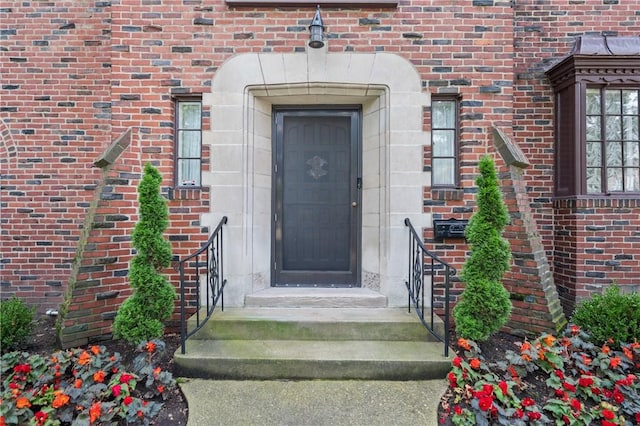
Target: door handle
[{"x": 354, "y": 204}]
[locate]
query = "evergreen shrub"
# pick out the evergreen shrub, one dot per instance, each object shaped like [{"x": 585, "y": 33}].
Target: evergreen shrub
[
  {"x": 16, "y": 323},
  {"x": 484, "y": 305},
  {"x": 141, "y": 316},
  {"x": 611, "y": 315}
]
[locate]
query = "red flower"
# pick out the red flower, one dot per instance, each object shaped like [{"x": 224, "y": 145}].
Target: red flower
[
  {"x": 115, "y": 390},
  {"x": 457, "y": 409},
  {"x": 485, "y": 403},
  {"x": 608, "y": 414},
  {"x": 518, "y": 414},
  {"x": 617, "y": 396},
  {"x": 568, "y": 386},
  {"x": 638, "y": 418},
  {"x": 607, "y": 423},
  {"x": 474, "y": 363},
  {"x": 503, "y": 387},
  {"x": 150, "y": 347},
  {"x": 560, "y": 393},
  {"x": 575, "y": 329},
  {"x": 125, "y": 378},
  {"x": 528, "y": 402},
  {"x": 559, "y": 374},
  {"x": 487, "y": 389},
  {"x": 22, "y": 368},
  {"x": 127, "y": 400},
  {"x": 534, "y": 415},
  {"x": 585, "y": 382},
  {"x": 595, "y": 390},
  {"x": 453, "y": 381},
  {"x": 41, "y": 417},
  {"x": 457, "y": 361},
  {"x": 576, "y": 404}
]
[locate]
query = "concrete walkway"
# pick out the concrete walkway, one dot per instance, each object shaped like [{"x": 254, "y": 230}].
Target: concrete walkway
[{"x": 312, "y": 403}]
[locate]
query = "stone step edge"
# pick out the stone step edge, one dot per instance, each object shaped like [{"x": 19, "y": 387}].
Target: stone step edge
[{"x": 313, "y": 350}]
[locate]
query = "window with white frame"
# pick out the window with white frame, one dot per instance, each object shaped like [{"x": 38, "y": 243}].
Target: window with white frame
[
  {"x": 188, "y": 142},
  {"x": 444, "y": 142}
]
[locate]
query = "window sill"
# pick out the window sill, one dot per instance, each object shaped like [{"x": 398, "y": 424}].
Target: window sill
[
  {"x": 185, "y": 193},
  {"x": 447, "y": 194}
]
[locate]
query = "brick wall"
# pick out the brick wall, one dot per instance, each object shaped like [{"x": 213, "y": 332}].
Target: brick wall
[
  {"x": 597, "y": 244},
  {"x": 78, "y": 74},
  {"x": 581, "y": 241},
  {"x": 55, "y": 106}
]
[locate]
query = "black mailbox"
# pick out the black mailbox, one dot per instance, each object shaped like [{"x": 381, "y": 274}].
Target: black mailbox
[{"x": 450, "y": 228}]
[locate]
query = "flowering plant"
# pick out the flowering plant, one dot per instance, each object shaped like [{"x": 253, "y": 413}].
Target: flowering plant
[
  {"x": 81, "y": 387},
  {"x": 588, "y": 385}
]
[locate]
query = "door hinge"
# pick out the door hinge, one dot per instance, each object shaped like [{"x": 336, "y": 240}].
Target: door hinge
[
  {"x": 275, "y": 168},
  {"x": 275, "y": 217},
  {"x": 275, "y": 266}
]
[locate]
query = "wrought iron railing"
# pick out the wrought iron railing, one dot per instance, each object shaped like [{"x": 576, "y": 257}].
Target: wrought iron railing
[
  {"x": 422, "y": 265},
  {"x": 203, "y": 266}
]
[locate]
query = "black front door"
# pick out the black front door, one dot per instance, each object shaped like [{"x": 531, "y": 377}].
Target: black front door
[{"x": 316, "y": 223}]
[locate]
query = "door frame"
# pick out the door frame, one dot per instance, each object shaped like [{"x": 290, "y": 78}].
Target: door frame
[{"x": 354, "y": 112}]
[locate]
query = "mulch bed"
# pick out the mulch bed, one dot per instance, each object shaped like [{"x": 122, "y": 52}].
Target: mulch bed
[{"x": 174, "y": 410}]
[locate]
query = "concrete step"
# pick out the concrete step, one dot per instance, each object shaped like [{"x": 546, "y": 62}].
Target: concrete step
[
  {"x": 382, "y": 324},
  {"x": 310, "y": 297},
  {"x": 313, "y": 343},
  {"x": 304, "y": 359}
]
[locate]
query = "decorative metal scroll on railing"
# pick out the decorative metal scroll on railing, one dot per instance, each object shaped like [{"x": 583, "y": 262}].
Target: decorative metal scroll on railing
[
  {"x": 425, "y": 265},
  {"x": 204, "y": 268}
]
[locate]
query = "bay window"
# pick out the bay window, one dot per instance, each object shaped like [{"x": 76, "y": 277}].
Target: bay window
[{"x": 597, "y": 118}]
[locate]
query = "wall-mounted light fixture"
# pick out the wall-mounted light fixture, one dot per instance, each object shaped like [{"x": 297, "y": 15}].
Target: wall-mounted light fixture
[{"x": 316, "y": 30}]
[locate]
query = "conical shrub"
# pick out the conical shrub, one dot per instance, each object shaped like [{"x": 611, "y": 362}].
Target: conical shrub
[
  {"x": 141, "y": 317},
  {"x": 484, "y": 305}
]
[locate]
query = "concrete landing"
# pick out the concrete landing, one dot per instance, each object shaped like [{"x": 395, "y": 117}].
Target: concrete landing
[
  {"x": 314, "y": 323},
  {"x": 310, "y": 297}
]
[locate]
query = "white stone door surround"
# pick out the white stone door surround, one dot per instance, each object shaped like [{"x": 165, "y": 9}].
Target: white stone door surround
[{"x": 243, "y": 92}]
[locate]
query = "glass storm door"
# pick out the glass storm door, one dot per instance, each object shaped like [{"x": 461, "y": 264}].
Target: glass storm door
[{"x": 316, "y": 223}]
